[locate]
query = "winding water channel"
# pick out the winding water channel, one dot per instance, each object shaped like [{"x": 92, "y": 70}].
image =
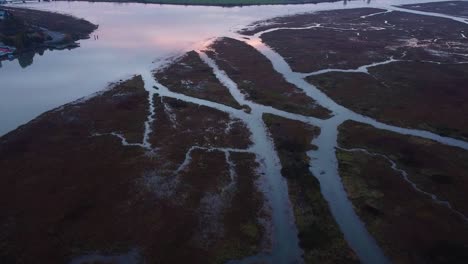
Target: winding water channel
[
  {"x": 136, "y": 38},
  {"x": 131, "y": 36}
]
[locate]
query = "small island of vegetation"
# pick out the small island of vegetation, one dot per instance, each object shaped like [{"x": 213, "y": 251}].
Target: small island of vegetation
[{"x": 29, "y": 31}]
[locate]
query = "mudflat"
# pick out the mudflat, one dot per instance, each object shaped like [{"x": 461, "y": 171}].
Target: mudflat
[
  {"x": 357, "y": 39},
  {"x": 409, "y": 191},
  {"x": 256, "y": 78},
  {"x": 456, "y": 8},
  {"x": 191, "y": 76},
  {"x": 422, "y": 95},
  {"x": 78, "y": 183},
  {"x": 319, "y": 236}
]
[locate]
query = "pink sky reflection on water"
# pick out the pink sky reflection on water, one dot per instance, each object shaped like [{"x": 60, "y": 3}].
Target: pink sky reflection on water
[{"x": 131, "y": 37}]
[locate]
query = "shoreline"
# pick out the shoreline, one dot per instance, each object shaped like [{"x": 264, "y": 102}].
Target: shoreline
[
  {"x": 56, "y": 31},
  {"x": 188, "y": 3}
]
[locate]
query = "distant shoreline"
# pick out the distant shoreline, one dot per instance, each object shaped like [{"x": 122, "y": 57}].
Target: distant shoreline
[
  {"x": 219, "y": 3},
  {"x": 30, "y": 31}
]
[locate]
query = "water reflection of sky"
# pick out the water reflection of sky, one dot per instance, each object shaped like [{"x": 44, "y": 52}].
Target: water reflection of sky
[{"x": 131, "y": 36}]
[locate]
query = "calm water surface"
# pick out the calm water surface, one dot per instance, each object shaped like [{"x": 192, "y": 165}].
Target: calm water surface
[{"x": 131, "y": 37}]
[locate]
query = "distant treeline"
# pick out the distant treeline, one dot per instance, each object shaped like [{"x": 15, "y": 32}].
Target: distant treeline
[{"x": 215, "y": 2}]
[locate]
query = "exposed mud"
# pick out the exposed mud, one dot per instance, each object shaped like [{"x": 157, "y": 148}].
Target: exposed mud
[
  {"x": 455, "y": 8},
  {"x": 180, "y": 125},
  {"x": 410, "y": 225},
  {"x": 319, "y": 236},
  {"x": 63, "y": 189},
  {"x": 256, "y": 78},
  {"x": 191, "y": 76},
  {"x": 420, "y": 95},
  {"x": 406, "y": 24},
  {"x": 435, "y": 168},
  {"x": 299, "y": 21},
  {"x": 139, "y": 174},
  {"x": 348, "y": 39},
  {"x": 77, "y": 186}
]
